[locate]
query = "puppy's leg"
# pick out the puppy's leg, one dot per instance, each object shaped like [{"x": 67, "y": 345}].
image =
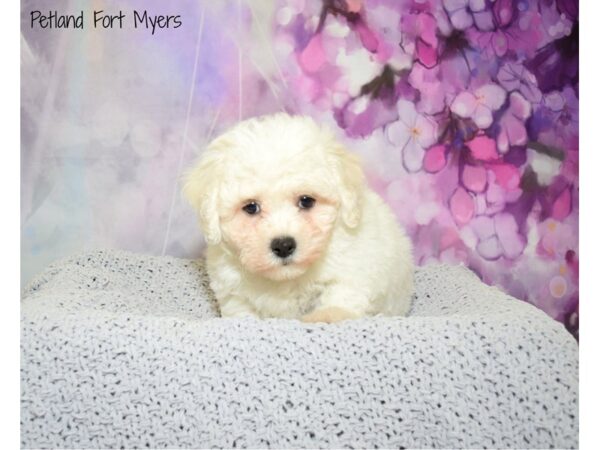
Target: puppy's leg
[
  {"x": 236, "y": 307},
  {"x": 329, "y": 314},
  {"x": 338, "y": 303}
]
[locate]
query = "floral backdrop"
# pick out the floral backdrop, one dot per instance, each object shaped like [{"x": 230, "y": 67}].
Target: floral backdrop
[{"x": 465, "y": 113}]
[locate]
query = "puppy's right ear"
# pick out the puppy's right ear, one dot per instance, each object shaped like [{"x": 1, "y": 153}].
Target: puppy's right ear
[
  {"x": 351, "y": 182},
  {"x": 201, "y": 189}
]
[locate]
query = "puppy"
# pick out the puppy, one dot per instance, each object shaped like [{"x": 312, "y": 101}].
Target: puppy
[{"x": 292, "y": 229}]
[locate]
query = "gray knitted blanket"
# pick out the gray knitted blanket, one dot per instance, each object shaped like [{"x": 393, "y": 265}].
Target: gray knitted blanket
[{"x": 122, "y": 350}]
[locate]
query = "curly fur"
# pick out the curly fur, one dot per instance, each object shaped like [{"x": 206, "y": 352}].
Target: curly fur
[{"x": 352, "y": 259}]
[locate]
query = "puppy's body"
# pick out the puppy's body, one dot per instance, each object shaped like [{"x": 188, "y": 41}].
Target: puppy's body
[{"x": 349, "y": 257}]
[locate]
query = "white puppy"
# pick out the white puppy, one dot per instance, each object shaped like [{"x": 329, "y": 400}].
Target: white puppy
[{"x": 292, "y": 229}]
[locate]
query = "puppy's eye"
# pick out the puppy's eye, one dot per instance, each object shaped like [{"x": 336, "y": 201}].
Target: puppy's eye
[
  {"x": 252, "y": 208},
  {"x": 306, "y": 202}
]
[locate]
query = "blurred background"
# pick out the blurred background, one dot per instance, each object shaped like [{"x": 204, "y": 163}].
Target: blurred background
[{"x": 465, "y": 113}]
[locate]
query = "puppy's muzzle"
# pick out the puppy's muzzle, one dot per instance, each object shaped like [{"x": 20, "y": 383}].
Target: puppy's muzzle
[{"x": 283, "y": 247}]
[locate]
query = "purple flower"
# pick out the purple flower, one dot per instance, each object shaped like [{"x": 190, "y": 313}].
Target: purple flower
[
  {"x": 556, "y": 123},
  {"x": 461, "y": 12},
  {"x": 564, "y": 106},
  {"x": 498, "y": 236},
  {"x": 422, "y": 28},
  {"x": 512, "y": 128},
  {"x": 505, "y": 12},
  {"x": 510, "y": 37},
  {"x": 515, "y": 77},
  {"x": 432, "y": 98},
  {"x": 362, "y": 115},
  {"x": 413, "y": 133},
  {"x": 569, "y": 8},
  {"x": 557, "y": 64}
]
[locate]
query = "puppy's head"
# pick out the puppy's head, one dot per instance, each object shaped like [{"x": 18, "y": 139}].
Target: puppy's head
[{"x": 272, "y": 189}]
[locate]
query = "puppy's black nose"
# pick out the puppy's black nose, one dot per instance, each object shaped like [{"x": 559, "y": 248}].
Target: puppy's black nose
[{"x": 283, "y": 246}]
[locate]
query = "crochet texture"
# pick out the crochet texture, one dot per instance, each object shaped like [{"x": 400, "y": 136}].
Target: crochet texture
[{"x": 124, "y": 350}]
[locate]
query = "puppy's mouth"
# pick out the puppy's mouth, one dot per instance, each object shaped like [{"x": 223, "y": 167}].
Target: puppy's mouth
[
  {"x": 287, "y": 261},
  {"x": 285, "y": 269}
]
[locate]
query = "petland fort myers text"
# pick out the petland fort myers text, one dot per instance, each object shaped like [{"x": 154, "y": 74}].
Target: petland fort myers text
[{"x": 101, "y": 19}]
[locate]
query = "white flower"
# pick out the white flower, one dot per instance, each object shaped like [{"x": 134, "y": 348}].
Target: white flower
[
  {"x": 480, "y": 104},
  {"x": 359, "y": 67}
]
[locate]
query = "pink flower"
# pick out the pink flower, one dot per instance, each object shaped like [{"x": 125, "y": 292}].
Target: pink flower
[
  {"x": 506, "y": 175},
  {"x": 483, "y": 148},
  {"x": 367, "y": 37},
  {"x": 432, "y": 91},
  {"x": 513, "y": 131},
  {"x": 462, "y": 206},
  {"x": 413, "y": 133},
  {"x": 422, "y": 28},
  {"x": 474, "y": 178},
  {"x": 562, "y": 205},
  {"x": 313, "y": 57},
  {"x": 435, "y": 159},
  {"x": 354, "y": 5},
  {"x": 480, "y": 104}
]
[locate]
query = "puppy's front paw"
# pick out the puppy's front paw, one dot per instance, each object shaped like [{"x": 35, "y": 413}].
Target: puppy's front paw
[{"x": 329, "y": 314}]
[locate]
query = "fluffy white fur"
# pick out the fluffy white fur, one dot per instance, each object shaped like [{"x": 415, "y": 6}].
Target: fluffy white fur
[{"x": 351, "y": 258}]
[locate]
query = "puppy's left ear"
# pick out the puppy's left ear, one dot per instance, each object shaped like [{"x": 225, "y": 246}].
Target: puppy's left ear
[
  {"x": 200, "y": 188},
  {"x": 352, "y": 181}
]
